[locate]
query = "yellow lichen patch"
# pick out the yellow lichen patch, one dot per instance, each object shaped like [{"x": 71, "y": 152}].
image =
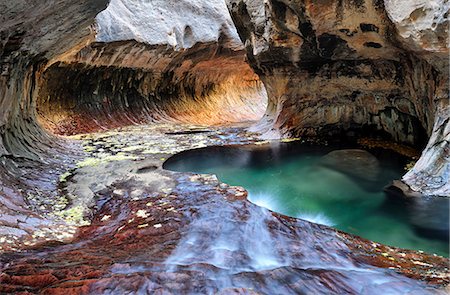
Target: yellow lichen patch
[
  {"x": 89, "y": 148},
  {"x": 104, "y": 158},
  {"x": 132, "y": 148},
  {"x": 119, "y": 157},
  {"x": 74, "y": 215},
  {"x": 88, "y": 162},
  {"x": 63, "y": 177},
  {"x": 78, "y": 136},
  {"x": 410, "y": 165}
]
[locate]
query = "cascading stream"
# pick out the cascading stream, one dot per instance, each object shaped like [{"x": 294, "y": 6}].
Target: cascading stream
[
  {"x": 340, "y": 186},
  {"x": 97, "y": 213}
]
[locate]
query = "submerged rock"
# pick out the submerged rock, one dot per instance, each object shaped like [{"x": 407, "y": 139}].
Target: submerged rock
[
  {"x": 202, "y": 237},
  {"x": 355, "y": 163},
  {"x": 193, "y": 236},
  {"x": 430, "y": 216},
  {"x": 372, "y": 66}
]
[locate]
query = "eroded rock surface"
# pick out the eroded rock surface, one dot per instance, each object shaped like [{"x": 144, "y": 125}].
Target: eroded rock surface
[
  {"x": 189, "y": 233},
  {"x": 334, "y": 66},
  {"x": 33, "y": 33},
  {"x": 153, "y": 60},
  {"x": 110, "y": 219}
]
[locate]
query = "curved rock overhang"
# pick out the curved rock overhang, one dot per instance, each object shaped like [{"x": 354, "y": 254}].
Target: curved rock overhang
[
  {"x": 49, "y": 50},
  {"x": 336, "y": 66},
  {"x": 32, "y": 34},
  {"x": 63, "y": 71},
  {"x": 130, "y": 68},
  {"x": 178, "y": 61},
  {"x": 107, "y": 85}
]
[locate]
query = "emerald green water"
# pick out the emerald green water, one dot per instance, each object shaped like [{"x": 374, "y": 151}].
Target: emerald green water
[{"x": 344, "y": 190}]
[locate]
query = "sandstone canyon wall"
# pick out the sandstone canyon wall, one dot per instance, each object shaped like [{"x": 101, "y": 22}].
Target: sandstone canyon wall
[
  {"x": 153, "y": 60},
  {"x": 66, "y": 70},
  {"x": 33, "y": 33},
  {"x": 327, "y": 65},
  {"x": 371, "y": 66}
]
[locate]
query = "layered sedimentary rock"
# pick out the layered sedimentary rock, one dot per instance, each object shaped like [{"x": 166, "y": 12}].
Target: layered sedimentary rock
[
  {"x": 32, "y": 34},
  {"x": 423, "y": 27},
  {"x": 371, "y": 66},
  {"x": 143, "y": 219},
  {"x": 61, "y": 71},
  {"x": 156, "y": 231},
  {"x": 153, "y": 60}
]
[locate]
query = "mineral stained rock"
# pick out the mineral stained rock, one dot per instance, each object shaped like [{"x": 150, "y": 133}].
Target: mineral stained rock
[
  {"x": 33, "y": 33},
  {"x": 198, "y": 236},
  {"x": 376, "y": 66},
  {"x": 153, "y": 60},
  {"x": 143, "y": 218}
]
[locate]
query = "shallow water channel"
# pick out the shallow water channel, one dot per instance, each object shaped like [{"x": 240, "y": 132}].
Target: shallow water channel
[{"x": 340, "y": 186}]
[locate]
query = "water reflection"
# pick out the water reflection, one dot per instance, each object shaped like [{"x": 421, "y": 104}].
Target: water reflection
[{"x": 338, "y": 186}]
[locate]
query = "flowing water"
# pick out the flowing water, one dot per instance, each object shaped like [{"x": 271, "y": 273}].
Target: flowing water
[{"x": 338, "y": 186}]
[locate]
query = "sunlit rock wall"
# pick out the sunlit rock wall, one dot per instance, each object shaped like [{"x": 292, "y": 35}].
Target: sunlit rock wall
[
  {"x": 177, "y": 23},
  {"x": 154, "y": 60},
  {"x": 371, "y": 66}
]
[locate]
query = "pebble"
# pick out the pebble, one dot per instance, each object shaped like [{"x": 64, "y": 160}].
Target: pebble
[
  {"x": 106, "y": 217},
  {"x": 142, "y": 214}
]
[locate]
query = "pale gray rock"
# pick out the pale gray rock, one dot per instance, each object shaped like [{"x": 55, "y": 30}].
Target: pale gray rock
[{"x": 177, "y": 23}]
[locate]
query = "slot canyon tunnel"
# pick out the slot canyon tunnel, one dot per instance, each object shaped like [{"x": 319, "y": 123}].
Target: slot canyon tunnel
[{"x": 95, "y": 96}]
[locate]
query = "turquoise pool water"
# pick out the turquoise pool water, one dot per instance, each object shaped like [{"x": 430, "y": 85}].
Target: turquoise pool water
[{"x": 335, "y": 186}]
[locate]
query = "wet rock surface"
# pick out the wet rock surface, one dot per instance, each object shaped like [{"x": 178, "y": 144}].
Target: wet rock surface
[
  {"x": 145, "y": 229},
  {"x": 109, "y": 219}
]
